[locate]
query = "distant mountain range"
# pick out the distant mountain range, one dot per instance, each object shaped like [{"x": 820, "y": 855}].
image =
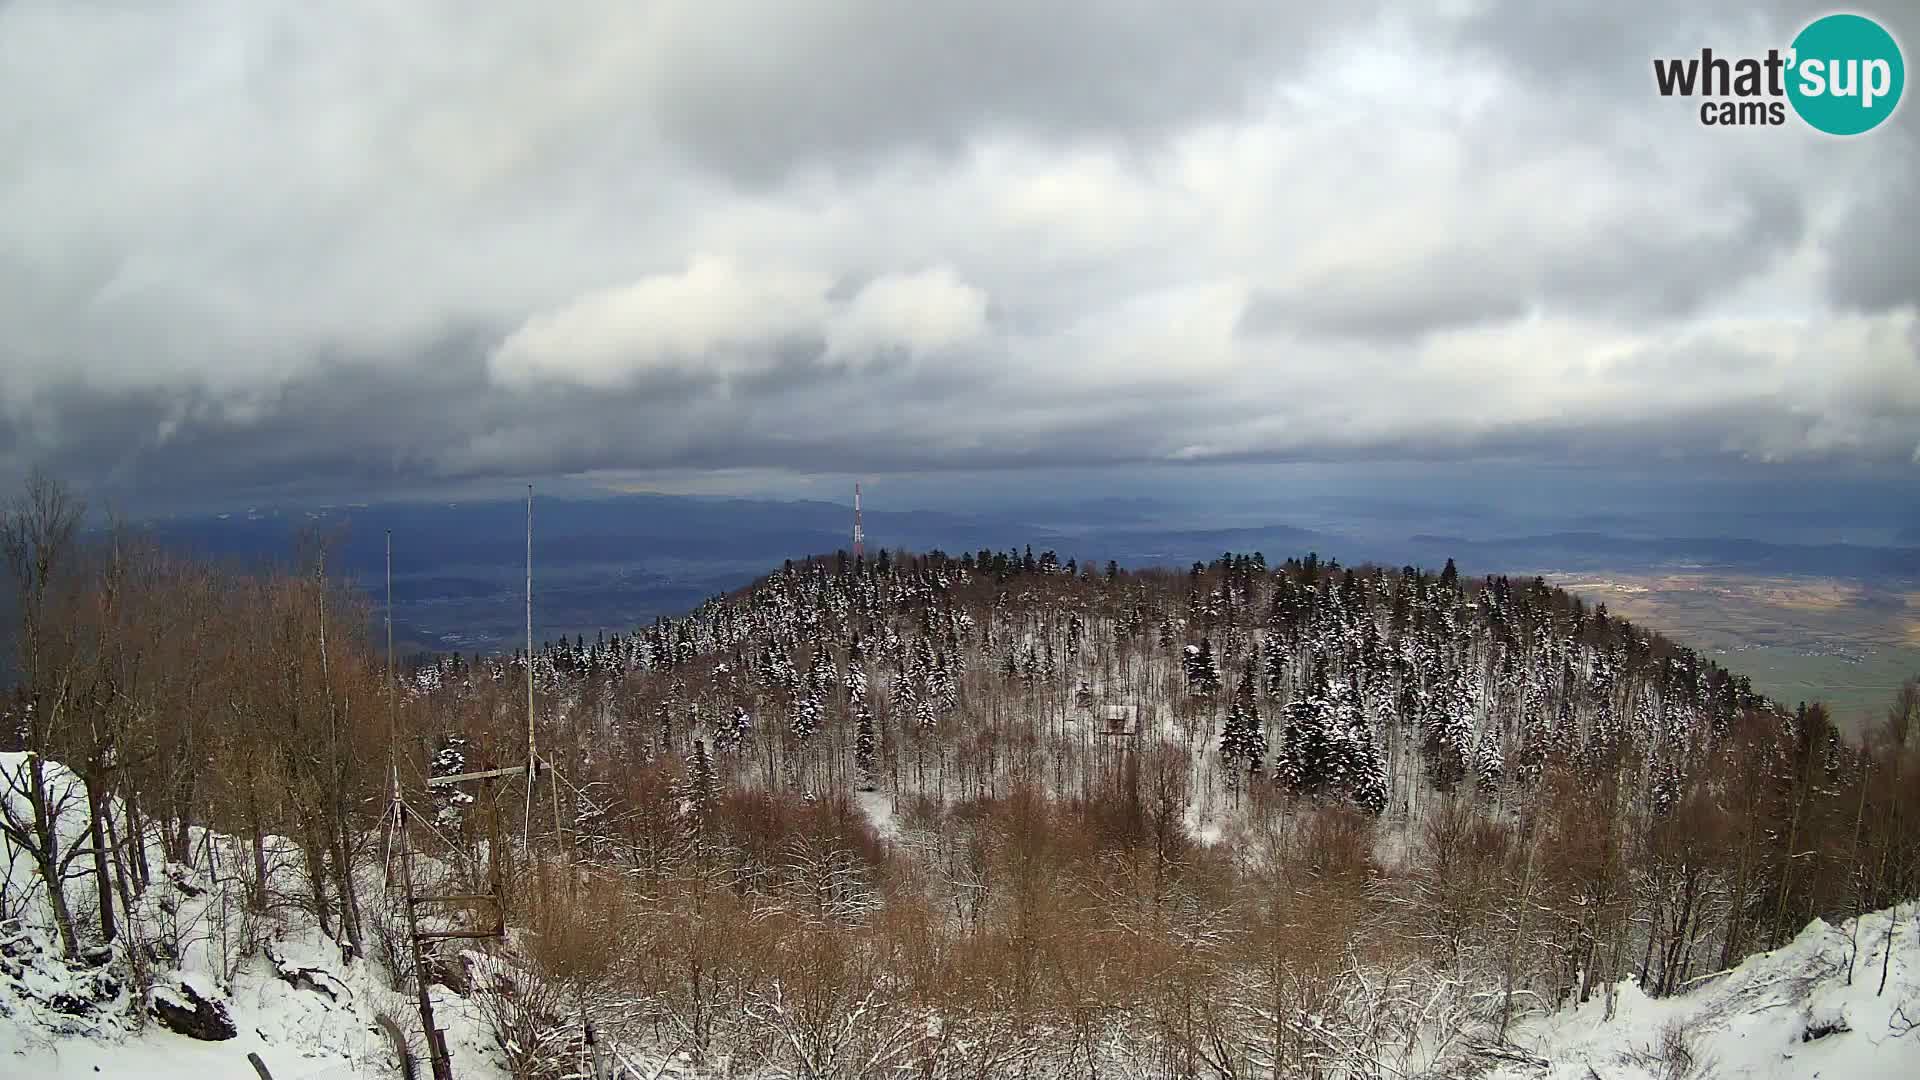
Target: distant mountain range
[
  {"x": 1596, "y": 551},
  {"x": 613, "y": 562}
]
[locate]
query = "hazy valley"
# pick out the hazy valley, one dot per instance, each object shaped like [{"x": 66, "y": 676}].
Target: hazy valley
[{"x": 1838, "y": 623}]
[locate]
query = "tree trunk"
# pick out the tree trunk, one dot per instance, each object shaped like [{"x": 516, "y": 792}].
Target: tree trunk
[
  {"x": 120, "y": 874},
  {"x": 182, "y": 846},
  {"x": 57, "y": 899},
  {"x": 46, "y": 852},
  {"x": 1519, "y": 932},
  {"x": 316, "y": 861},
  {"x": 97, "y": 806},
  {"x": 142, "y": 874},
  {"x": 349, "y": 899},
  {"x": 257, "y": 893}
]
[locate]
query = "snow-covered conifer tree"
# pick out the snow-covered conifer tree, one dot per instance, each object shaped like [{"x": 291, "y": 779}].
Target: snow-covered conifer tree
[
  {"x": 1203, "y": 672},
  {"x": 1242, "y": 742},
  {"x": 1306, "y": 761},
  {"x": 864, "y": 743},
  {"x": 733, "y": 731}
]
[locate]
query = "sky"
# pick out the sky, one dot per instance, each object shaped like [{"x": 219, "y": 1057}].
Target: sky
[{"x": 258, "y": 248}]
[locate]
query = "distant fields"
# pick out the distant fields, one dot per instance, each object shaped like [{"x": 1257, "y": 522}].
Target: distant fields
[
  {"x": 1857, "y": 691},
  {"x": 1847, "y": 643}
]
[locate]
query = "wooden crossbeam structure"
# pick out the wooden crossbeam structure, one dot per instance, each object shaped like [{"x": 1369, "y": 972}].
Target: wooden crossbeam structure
[
  {"x": 484, "y": 774},
  {"x": 532, "y": 770},
  {"x": 438, "y": 1056},
  {"x": 421, "y": 939}
]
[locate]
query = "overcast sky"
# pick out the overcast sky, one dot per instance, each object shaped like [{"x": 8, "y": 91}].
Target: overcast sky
[{"x": 365, "y": 248}]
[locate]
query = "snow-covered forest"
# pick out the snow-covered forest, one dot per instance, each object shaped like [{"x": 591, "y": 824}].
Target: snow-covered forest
[{"x": 986, "y": 815}]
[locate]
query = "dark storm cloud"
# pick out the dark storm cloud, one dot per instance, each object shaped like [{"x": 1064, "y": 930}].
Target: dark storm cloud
[
  {"x": 385, "y": 428},
  {"x": 1870, "y": 267},
  {"x": 1581, "y": 50},
  {"x": 755, "y": 90},
  {"x": 1443, "y": 293},
  {"x": 1627, "y": 262},
  {"x": 374, "y": 431},
  {"x": 334, "y": 249}
]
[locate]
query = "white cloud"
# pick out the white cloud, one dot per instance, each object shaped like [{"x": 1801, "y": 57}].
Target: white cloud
[
  {"x": 723, "y": 319},
  {"x": 714, "y": 316},
  {"x": 925, "y": 313}
]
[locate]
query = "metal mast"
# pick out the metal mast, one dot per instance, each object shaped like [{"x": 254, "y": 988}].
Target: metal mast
[
  {"x": 526, "y": 828},
  {"x": 421, "y": 940},
  {"x": 859, "y": 535},
  {"x": 396, "y": 810},
  {"x": 439, "y": 1060},
  {"x": 393, "y": 734}
]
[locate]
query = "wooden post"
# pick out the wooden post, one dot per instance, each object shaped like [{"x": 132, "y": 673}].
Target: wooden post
[
  {"x": 596, "y": 1061},
  {"x": 496, "y": 877},
  {"x": 442, "y": 1056},
  {"x": 436, "y": 1044}
]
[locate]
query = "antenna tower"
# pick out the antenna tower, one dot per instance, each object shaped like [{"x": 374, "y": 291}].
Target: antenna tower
[
  {"x": 533, "y": 756},
  {"x": 859, "y": 535}
]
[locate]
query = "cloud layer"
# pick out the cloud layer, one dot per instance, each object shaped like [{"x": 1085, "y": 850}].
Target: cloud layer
[{"x": 358, "y": 248}]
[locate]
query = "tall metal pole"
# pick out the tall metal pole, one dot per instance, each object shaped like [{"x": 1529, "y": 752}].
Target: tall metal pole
[
  {"x": 526, "y": 827},
  {"x": 393, "y": 764},
  {"x": 529, "y": 623},
  {"x": 394, "y": 819},
  {"x": 441, "y": 1065}
]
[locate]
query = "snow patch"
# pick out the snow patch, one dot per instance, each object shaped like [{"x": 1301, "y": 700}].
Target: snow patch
[{"x": 1790, "y": 1013}]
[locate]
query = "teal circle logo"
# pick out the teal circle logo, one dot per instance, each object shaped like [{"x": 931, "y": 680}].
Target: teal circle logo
[{"x": 1846, "y": 74}]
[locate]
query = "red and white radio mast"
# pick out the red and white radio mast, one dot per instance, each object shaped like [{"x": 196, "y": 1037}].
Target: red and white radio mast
[{"x": 859, "y": 536}]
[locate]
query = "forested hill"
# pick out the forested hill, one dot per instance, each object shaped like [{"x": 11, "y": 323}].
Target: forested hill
[
  {"x": 1482, "y": 760},
  {"x": 1357, "y": 684},
  {"x": 1020, "y": 817}
]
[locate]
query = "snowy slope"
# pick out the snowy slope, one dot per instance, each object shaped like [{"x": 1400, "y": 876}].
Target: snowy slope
[
  {"x": 1788, "y": 1013},
  {"x": 310, "y": 1015},
  {"x": 1751, "y": 1022},
  {"x": 300, "y": 1032},
  {"x": 291, "y": 997}
]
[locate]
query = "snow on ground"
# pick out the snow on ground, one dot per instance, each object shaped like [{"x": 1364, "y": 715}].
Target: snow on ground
[
  {"x": 293, "y": 1000},
  {"x": 310, "y": 1014},
  {"x": 1207, "y": 824},
  {"x": 1787, "y": 1013},
  {"x": 878, "y": 806},
  {"x": 290, "y": 995},
  {"x": 300, "y": 1033}
]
